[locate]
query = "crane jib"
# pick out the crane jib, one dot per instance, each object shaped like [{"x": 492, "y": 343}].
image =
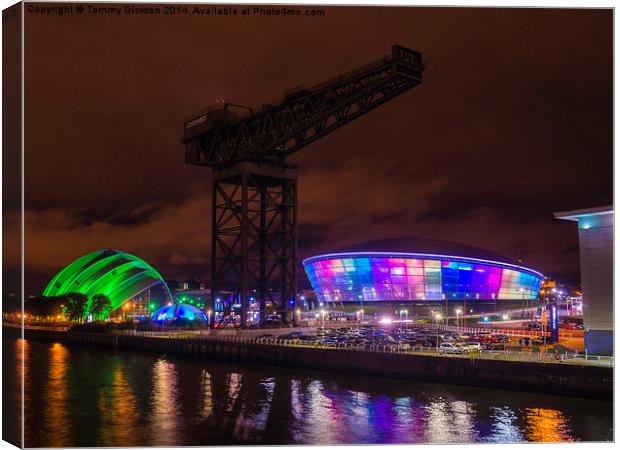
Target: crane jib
[{"x": 233, "y": 133}]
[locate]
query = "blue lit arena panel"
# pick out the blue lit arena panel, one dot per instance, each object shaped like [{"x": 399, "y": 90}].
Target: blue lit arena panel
[{"x": 417, "y": 277}]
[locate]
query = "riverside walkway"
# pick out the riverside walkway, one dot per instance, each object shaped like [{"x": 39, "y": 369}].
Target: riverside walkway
[{"x": 504, "y": 355}]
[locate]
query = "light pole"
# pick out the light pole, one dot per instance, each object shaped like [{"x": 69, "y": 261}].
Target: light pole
[
  {"x": 209, "y": 318},
  {"x": 458, "y": 311},
  {"x": 437, "y": 319},
  {"x": 362, "y": 314},
  {"x": 542, "y": 328},
  {"x": 323, "y": 317}
]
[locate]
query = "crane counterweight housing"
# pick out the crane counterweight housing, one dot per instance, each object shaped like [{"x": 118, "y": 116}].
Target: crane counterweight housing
[{"x": 254, "y": 192}]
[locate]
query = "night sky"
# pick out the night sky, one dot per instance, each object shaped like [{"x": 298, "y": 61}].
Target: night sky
[{"x": 512, "y": 122}]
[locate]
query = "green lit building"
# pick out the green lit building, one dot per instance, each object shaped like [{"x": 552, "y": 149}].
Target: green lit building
[{"x": 132, "y": 285}]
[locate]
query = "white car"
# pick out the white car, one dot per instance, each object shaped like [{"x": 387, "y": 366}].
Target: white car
[
  {"x": 449, "y": 348},
  {"x": 472, "y": 346}
]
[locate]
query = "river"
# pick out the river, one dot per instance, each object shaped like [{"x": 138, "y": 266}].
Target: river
[{"x": 78, "y": 396}]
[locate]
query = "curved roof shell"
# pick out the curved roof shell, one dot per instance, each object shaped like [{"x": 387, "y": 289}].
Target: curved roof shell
[
  {"x": 118, "y": 275},
  {"x": 425, "y": 246}
]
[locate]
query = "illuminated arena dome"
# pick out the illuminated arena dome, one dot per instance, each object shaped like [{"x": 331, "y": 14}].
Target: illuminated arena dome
[
  {"x": 118, "y": 275},
  {"x": 418, "y": 270},
  {"x": 178, "y": 311}
]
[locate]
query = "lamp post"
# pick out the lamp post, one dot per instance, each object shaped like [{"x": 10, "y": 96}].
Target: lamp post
[
  {"x": 360, "y": 297},
  {"x": 437, "y": 318},
  {"x": 209, "y": 318},
  {"x": 362, "y": 314},
  {"x": 323, "y": 317},
  {"x": 542, "y": 328},
  {"x": 458, "y": 311}
]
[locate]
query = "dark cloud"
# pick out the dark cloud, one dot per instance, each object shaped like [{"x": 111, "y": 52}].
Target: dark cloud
[{"x": 513, "y": 121}]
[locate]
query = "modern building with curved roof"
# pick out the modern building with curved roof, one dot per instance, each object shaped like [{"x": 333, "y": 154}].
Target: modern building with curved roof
[
  {"x": 118, "y": 275},
  {"x": 418, "y": 270},
  {"x": 178, "y": 311}
]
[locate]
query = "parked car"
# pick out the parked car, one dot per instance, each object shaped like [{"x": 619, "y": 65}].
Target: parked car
[
  {"x": 472, "y": 346},
  {"x": 449, "y": 348}
]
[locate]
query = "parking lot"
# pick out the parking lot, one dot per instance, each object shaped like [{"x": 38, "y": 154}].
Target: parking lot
[
  {"x": 411, "y": 336},
  {"x": 418, "y": 339}
]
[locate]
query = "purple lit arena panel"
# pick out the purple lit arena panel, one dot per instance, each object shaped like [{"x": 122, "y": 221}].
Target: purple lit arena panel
[{"x": 415, "y": 277}]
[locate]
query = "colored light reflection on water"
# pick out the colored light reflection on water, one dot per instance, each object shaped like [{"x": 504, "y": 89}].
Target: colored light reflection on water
[
  {"x": 90, "y": 397},
  {"x": 56, "y": 414}
]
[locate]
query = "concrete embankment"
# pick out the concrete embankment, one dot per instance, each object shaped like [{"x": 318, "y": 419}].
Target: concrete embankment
[{"x": 550, "y": 378}]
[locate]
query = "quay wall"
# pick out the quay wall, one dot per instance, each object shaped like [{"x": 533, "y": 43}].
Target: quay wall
[{"x": 568, "y": 379}]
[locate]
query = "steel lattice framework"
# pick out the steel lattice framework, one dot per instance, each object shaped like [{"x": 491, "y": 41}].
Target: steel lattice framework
[
  {"x": 254, "y": 233},
  {"x": 254, "y": 220}
]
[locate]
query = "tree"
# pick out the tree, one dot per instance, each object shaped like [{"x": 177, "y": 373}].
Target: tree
[
  {"x": 76, "y": 306},
  {"x": 100, "y": 306}
]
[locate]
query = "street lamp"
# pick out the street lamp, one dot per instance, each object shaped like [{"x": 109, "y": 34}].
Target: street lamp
[
  {"x": 323, "y": 317},
  {"x": 458, "y": 311},
  {"x": 437, "y": 319},
  {"x": 543, "y": 320},
  {"x": 362, "y": 314}
]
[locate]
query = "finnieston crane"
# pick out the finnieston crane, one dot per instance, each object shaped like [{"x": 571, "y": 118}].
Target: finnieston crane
[{"x": 254, "y": 200}]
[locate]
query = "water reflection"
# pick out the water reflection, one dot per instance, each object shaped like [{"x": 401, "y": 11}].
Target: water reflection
[
  {"x": 56, "y": 412},
  {"x": 206, "y": 395},
  {"x": 165, "y": 418},
  {"x": 90, "y": 397},
  {"x": 547, "y": 425},
  {"x": 15, "y": 357},
  {"x": 451, "y": 421},
  {"x": 504, "y": 425},
  {"x": 118, "y": 418}
]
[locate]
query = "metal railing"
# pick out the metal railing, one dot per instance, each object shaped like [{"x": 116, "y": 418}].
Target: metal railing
[
  {"x": 507, "y": 331},
  {"x": 504, "y": 355}
]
